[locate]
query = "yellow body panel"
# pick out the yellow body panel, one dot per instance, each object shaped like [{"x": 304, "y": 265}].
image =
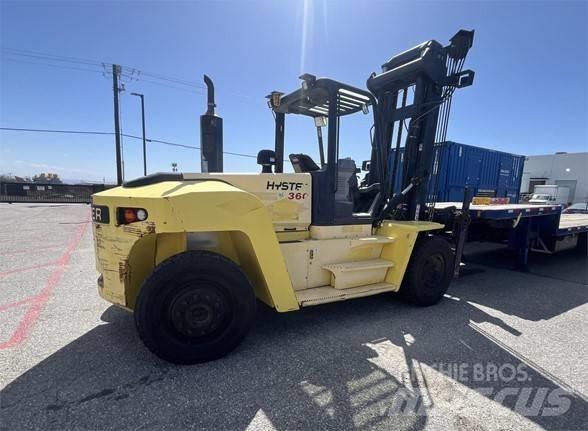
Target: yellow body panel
[
  {"x": 170, "y": 244},
  {"x": 287, "y": 197},
  {"x": 405, "y": 234},
  {"x": 305, "y": 259},
  {"x": 217, "y": 216},
  {"x": 186, "y": 207}
]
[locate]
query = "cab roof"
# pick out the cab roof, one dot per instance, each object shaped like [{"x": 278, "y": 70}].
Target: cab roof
[{"x": 312, "y": 99}]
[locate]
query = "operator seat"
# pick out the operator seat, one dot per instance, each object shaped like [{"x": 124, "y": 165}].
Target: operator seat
[
  {"x": 362, "y": 195},
  {"x": 303, "y": 163}
]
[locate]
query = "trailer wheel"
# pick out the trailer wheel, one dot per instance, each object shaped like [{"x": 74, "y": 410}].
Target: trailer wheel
[
  {"x": 195, "y": 307},
  {"x": 429, "y": 271}
]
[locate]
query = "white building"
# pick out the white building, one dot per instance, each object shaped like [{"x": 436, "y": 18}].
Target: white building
[{"x": 564, "y": 169}]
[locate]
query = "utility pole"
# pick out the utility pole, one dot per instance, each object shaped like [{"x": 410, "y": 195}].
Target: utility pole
[
  {"x": 143, "y": 122},
  {"x": 115, "y": 75}
]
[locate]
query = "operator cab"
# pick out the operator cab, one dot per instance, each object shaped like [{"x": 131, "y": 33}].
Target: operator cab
[{"x": 337, "y": 197}]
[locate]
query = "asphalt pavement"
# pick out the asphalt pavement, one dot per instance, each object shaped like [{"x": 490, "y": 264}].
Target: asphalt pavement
[{"x": 504, "y": 350}]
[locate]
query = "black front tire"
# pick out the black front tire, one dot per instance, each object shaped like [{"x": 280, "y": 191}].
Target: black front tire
[
  {"x": 195, "y": 307},
  {"x": 429, "y": 271}
]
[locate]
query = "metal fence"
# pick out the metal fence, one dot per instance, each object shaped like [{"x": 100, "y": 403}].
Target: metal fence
[{"x": 44, "y": 192}]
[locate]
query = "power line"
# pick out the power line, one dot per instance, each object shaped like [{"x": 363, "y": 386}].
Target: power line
[
  {"x": 93, "y": 132},
  {"x": 174, "y": 144},
  {"x": 83, "y": 132},
  {"x": 37, "y": 54},
  {"x": 17, "y": 60},
  {"x": 251, "y": 156},
  {"x": 74, "y": 60},
  {"x": 132, "y": 72},
  {"x": 189, "y": 90},
  {"x": 198, "y": 90},
  {"x": 129, "y": 72},
  {"x": 173, "y": 80}
]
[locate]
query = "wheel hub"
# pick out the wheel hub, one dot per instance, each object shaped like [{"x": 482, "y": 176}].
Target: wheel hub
[
  {"x": 197, "y": 312},
  {"x": 433, "y": 270}
]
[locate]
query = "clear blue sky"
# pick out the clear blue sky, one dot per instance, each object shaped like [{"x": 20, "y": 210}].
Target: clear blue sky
[{"x": 529, "y": 97}]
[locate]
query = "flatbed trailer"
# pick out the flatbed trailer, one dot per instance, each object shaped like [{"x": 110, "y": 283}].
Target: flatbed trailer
[
  {"x": 572, "y": 223},
  {"x": 525, "y": 227}
]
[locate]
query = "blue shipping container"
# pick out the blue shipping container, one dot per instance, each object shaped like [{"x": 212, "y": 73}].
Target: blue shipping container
[{"x": 488, "y": 172}]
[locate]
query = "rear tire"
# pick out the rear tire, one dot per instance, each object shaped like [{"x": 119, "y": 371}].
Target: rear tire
[
  {"x": 429, "y": 271},
  {"x": 195, "y": 307}
]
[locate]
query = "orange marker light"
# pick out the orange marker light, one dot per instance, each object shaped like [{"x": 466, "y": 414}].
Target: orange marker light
[{"x": 130, "y": 215}]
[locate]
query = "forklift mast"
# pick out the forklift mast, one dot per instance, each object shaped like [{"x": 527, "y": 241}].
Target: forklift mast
[
  {"x": 428, "y": 74},
  {"x": 414, "y": 87}
]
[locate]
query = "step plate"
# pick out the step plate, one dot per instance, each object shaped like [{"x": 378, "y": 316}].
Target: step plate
[
  {"x": 369, "y": 241},
  {"x": 347, "y": 275},
  {"x": 360, "y": 265},
  {"x": 325, "y": 294}
]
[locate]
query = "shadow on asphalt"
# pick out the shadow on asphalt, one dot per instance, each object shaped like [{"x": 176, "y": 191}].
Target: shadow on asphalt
[
  {"x": 568, "y": 265},
  {"x": 322, "y": 367},
  {"x": 513, "y": 293}
]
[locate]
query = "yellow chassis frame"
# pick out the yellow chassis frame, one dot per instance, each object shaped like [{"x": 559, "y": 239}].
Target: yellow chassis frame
[{"x": 229, "y": 221}]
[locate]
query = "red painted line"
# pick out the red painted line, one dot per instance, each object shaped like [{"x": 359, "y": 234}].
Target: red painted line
[
  {"x": 38, "y": 302},
  {"x": 29, "y": 250},
  {"x": 29, "y": 268}
]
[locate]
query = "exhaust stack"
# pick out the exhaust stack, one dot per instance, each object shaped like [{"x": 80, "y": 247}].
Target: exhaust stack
[{"x": 211, "y": 135}]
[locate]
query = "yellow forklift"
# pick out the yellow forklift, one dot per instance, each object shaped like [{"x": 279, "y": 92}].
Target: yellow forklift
[{"x": 190, "y": 254}]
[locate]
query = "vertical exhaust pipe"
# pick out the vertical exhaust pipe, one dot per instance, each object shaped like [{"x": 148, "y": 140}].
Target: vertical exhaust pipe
[{"x": 211, "y": 134}]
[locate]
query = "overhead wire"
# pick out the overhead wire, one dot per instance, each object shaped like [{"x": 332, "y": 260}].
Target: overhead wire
[
  {"x": 59, "y": 66},
  {"x": 174, "y": 80},
  {"x": 188, "y": 90},
  {"x": 41, "y": 55},
  {"x": 127, "y": 71},
  {"x": 84, "y": 132},
  {"x": 93, "y": 132},
  {"x": 131, "y": 72}
]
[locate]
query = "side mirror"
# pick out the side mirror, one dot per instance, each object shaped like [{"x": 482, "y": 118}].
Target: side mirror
[
  {"x": 267, "y": 159},
  {"x": 365, "y": 165}
]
